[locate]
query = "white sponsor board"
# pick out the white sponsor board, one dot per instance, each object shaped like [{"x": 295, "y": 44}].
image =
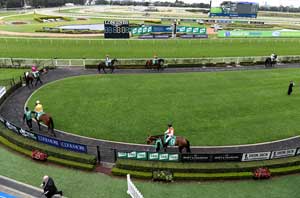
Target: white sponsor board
[
  {"x": 256, "y": 156},
  {"x": 283, "y": 153},
  {"x": 2, "y": 91}
]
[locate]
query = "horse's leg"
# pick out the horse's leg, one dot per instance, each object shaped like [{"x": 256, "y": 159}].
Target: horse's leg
[
  {"x": 157, "y": 148},
  {"x": 180, "y": 149}
]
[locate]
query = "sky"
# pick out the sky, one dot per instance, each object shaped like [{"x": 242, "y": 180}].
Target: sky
[{"x": 295, "y": 3}]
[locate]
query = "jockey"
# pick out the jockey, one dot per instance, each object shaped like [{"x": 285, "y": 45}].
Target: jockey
[
  {"x": 155, "y": 60},
  {"x": 35, "y": 72},
  {"x": 273, "y": 57},
  {"x": 107, "y": 61},
  {"x": 38, "y": 109},
  {"x": 170, "y": 133},
  {"x": 33, "y": 68}
]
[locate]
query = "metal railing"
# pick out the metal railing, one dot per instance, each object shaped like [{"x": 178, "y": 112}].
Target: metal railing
[{"x": 54, "y": 62}]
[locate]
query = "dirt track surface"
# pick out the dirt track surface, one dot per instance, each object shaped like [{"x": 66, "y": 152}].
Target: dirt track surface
[{"x": 12, "y": 110}]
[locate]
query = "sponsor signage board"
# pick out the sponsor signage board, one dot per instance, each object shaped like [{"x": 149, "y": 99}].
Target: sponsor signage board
[
  {"x": 226, "y": 157},
  {"x": 27, "y": 134},
  {"x": 141, "y": 155},
  {"x": 283, "y": 153},
  {"x": 195, "y": 157},
  {"x": 174, "y": 157},
  {"x": 167, "y": 29},
  {"x": 73, "y": 146},
  {"x": 122, "y": 155},
  {"x": 256, "y": 156},
  {"x": 244, "y": 33},
  {"x": 163, "y": 157},
  {"x": 131, "y": 154},
  {"x": 153, "y": 156}
]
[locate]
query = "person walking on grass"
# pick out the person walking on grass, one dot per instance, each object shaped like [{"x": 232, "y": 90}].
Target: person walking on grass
[
  {"x": 49, "y": 187},
  {"x": 290, "y": 89}
]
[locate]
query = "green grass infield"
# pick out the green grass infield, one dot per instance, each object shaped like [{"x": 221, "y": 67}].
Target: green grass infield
[
  {"x": 215, "y": 108},
  {"x": 85, "y": 48},
  {"x": 78, "y": 184}
]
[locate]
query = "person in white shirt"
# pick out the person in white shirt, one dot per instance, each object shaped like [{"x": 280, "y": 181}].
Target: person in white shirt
[{"x": 170, "y": 133}]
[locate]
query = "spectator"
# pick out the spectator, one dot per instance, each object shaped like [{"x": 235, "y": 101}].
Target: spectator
[
  {"x": 49, "y": 187},
  {"x": 291, "y": 85}
]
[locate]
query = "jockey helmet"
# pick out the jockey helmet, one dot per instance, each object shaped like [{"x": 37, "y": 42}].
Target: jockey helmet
[
  {"x": 37, "y": 102},
  {"x": 169, "y": 125}
]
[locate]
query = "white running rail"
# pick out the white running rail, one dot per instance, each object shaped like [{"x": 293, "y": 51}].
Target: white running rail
[{"x": 132, "y": 190}]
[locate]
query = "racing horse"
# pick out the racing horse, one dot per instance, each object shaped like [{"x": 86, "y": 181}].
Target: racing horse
[
  {"x": 48, "y": 121},
  {"x": 29, "y": 78},
  {"x": 270, "y": 63},
  {"x": 103, "y": 66},
  {"x": 158, "y": 66},
  {"x": 181, "y": 142}
]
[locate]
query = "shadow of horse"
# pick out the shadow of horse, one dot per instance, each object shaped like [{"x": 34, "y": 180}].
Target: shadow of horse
[
  {"x": 112, "y": 66},
  {"x": 269, "y": 63},
  {"x": 181, "y": 142},
  {"x": 48, "y": 121},
  {"x": 157, "y": 66}
]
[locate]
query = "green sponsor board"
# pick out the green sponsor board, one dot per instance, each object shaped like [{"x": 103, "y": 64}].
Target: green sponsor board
[
  {"x": 191, "y": 30},
  {"x": 131, "y": 155},
  {"x": 264, "y": 34},
  {"x": 163, "y": 157},
  {"x": 180, "y": 29},
  {"x": 122, "y": 155},
  {"x": 153, "y": 156},
  {"x": 141, "y": 30},
  {"x": 141, "y": 155},
  {"x": 174, "y": 157}
]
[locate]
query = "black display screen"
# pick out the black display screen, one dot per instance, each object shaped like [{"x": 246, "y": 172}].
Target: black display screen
[{"x": 116, "y": 29}]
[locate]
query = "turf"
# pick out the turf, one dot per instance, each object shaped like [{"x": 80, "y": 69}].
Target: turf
[
  {"x": 6, "y": 75},
  {"x": 78, "y": 184},
  {"x": 216, "y": 108},
  {"x": 79, "y": 48}
]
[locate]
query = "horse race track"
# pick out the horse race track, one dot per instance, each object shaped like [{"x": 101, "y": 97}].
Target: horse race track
[{"x": 215, "y": 108}]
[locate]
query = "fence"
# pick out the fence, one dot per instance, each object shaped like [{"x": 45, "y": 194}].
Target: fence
[
  {"x": 132, "y": 190},
  {"x": 54, "y": 62}
]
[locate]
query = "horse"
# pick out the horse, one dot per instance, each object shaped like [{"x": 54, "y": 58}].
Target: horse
[
  {"x": 269, "y": 62},
  {"x": 29, "y": 78},
  {"x": 181, "y": 142},
  {"x": 159, "y": 65},
  {"x": 48, "y": 121},
  {"x": 103, "y": 66}
]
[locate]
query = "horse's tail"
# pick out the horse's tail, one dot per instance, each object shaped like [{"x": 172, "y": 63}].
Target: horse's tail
[
  {"x": 188, "y": 148},
  {"x": 51, "y": 123}
]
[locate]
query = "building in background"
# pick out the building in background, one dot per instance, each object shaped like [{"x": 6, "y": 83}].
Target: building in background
[{"x": 235, "y": 9}]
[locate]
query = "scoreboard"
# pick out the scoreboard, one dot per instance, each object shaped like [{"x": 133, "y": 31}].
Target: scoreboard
[{"x": 116, "y": 29}]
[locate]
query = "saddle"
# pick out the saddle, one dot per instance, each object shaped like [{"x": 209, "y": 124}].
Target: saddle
[{"x": 171, "y": 141}]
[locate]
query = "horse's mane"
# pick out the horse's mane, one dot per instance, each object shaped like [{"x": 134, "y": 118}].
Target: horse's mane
[{"x": 156, "y": 136}]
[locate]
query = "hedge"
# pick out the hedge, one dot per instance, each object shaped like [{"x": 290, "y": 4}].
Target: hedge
[
  {"x": 50, "y": 150},
  {"x": 205, "y": 175},
  {"x": 185, "y": 176},
  {"x": 50, "y": 158},
  {"x": 136, "y": 174},
  {"x": 218, "y": 167}
]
